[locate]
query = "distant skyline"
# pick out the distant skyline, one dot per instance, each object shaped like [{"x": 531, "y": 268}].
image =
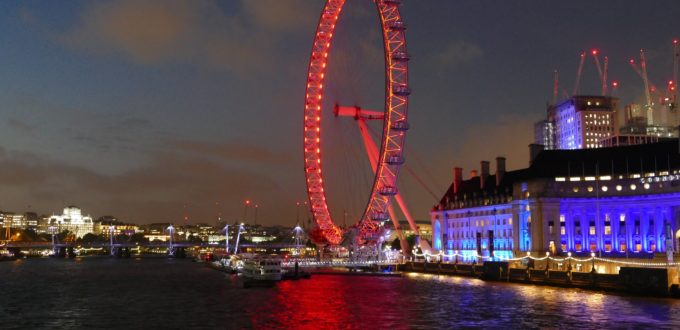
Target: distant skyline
[{"x": 151, "y": 111}]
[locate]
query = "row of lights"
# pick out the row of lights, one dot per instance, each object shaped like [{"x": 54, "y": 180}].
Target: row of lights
[
  {"x": 547, "y": 256},
  {"x": 632, "y": 187}
]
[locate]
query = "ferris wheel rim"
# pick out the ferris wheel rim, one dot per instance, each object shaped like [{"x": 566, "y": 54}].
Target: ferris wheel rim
[{"x": 395, "y": 122}]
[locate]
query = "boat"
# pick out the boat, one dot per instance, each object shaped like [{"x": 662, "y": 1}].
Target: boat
[{"x": 261, "y": 270}]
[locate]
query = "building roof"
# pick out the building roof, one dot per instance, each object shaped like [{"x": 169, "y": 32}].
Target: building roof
[
  {"x": 624, "y": 160},
  {"x": 614, "y": 161}
]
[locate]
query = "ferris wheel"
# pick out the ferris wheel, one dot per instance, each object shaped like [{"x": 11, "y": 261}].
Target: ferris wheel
[{"x": 386, "y": 159}]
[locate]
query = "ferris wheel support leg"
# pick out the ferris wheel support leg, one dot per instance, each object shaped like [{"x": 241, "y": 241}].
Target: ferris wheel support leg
[{"x": 372, "y": 153}]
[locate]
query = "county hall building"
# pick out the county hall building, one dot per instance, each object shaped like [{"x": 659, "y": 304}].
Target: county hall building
[{"x": 620, "y": 202}]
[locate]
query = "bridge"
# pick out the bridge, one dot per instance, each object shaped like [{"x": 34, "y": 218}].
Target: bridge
[
  {"x": 124, "y": 249},
  {"x": 46, "y": 245}
]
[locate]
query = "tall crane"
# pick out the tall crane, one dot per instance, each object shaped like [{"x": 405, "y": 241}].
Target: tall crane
[
  {"x": 601, "y": 72},
  {"x": 578, "y": 73},
  {"x": 556, "y": 86},
  {"x": 604, "y": 76},
  {"x": 674, "y": 83},
  {"x": 645, "y": 80}
]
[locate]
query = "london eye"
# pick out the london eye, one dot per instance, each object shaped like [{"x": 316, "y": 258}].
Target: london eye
[{"x": 386, "y": 159}]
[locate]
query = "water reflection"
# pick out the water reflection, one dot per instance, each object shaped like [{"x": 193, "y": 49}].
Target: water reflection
[{"x": 161, "y": 293}]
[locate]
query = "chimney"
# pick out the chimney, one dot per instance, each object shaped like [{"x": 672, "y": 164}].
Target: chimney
[
  {"x": 534, "y": 150},
  {"x": 484, "y": 173},
  {"x": 500, "y": 170},
  {"x": 473, "y": 174},
  {"x": 457, "y": 179}
]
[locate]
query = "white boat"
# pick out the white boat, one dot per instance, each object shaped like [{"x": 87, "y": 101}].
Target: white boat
[{"x": 262, "y": 268}]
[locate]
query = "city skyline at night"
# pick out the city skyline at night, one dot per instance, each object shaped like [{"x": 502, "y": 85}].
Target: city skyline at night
[{"x": 157, "y": 111}]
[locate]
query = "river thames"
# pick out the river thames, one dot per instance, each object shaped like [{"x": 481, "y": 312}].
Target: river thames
[{"x": 159, "y": 293}]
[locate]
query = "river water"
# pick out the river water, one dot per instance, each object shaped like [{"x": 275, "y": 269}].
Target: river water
[{"x": 159, "y": 293}]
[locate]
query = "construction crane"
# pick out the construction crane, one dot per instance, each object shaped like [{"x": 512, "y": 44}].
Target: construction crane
[
  {"x": 604, "y": 76},
  {"x": 673, "y": 88},
  {"x": 645, "y": 80},
  {"x": 556, "y": 86},
  {"x": 636, "y": 68},
  {"x": 578, "y": 73},
  {"x": 602, "y": 72}
]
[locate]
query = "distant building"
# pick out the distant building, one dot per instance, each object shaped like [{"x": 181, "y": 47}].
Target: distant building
[
  {"x": 106, "y": 224},
  {"x": 639, "y": 122},
  {"x": 617, "y": 202},
  {"x": 544, "y": 134},
  {"x": 424, "y": 229},
  {"x": 72, "y": 220},
  {"x": 582, "y": 121}
]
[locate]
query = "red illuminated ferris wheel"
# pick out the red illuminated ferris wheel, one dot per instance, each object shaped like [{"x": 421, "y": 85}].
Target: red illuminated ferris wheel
[{"x": 386, "y": 160}]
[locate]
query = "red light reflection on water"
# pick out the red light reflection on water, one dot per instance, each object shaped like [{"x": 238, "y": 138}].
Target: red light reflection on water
[{"x": 335, "y": 301}]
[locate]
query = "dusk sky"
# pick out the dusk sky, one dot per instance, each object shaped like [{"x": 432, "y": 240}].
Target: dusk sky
[{"x": 153, "y": 110}]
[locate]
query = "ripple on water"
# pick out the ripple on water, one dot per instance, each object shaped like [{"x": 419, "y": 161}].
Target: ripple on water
[{"x": 163, "y": 293}]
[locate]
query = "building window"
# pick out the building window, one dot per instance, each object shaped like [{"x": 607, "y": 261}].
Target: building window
[
  {"x": 607, "y": 230},
  {"x": 577, "y": 230},
  {"x": 623, "y": 246},
  {"x": 577, "y": 246},
  {"x": 593, "y": 247},
  {"x": 608, "y": 247},
  {"x": 591, "y": 231},
  {"x": 563, "y": 231}
]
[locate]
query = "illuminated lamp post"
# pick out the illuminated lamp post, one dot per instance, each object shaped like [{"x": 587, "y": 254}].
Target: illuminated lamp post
[
  {"x": 297, "y": 230},
  {"x": 592, "y": 257}
]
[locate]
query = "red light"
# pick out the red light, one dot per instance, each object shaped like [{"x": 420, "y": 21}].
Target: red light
[
  {"x": 632, "y": 61},
  {"x": 247, "y": 201},
  {"x": 615, "y": 84},
  {"x": 675, "y": 42},
  {"x": 670, "y": 82},
  {"x": 594, "y": 51}
]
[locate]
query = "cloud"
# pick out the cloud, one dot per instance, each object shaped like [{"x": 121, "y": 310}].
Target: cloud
[
  {"x": 458, "y": 53},
  {"x": 154, "y": 192},
  {"x": 232, "y": 151},
  {"x": 20, "y": 125},
  {"x": 161, "y": 32},
  {"x": 280, "y": 15}
]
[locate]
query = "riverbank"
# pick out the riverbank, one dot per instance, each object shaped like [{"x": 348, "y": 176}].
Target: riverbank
[{"x": 655, "y": 282}]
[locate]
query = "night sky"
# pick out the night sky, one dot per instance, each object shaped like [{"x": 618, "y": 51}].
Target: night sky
[{"x": 156, "y": 110}]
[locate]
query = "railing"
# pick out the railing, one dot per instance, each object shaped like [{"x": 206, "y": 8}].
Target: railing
[{"x": 331, "y": 264}]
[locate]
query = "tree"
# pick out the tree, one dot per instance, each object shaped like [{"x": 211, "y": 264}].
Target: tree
[
  {"x": 138, "y": 238},
  {"x": 91, "y": 238},
  {"x": 195, "y": 239}
]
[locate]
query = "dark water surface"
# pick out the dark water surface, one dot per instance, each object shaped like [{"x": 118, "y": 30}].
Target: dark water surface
[{"x": 158, "y": 293}]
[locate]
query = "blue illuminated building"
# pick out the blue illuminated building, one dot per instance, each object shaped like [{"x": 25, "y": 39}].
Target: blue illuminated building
[
  {"x": 582, "y": 121},
  {"x": 616, "y": 202}
]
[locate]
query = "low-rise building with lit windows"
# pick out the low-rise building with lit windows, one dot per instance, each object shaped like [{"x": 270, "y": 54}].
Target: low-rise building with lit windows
[{"x": 616, "y": 202}]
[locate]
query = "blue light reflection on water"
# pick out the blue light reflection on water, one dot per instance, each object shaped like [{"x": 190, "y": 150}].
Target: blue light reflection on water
[{"x": 162, "y": 293}]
